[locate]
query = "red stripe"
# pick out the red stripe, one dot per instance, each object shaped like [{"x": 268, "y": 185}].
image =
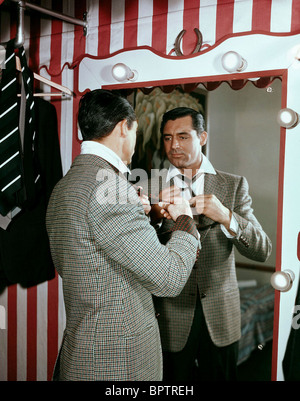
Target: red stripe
[
  {"x": 12, "y": 333},
  {"x": 131, "y": 23},
  {"x": 224, "y": 21},
  {"x": 261, "y": 15},
  {"x": 295, "y": 22},
  {"x": 79, "y": 49},
  {"x": 104, "y": 27},
  {"x": 159, "y": 25},
  {"x": 31, "y": 333},
  {"x": 190, "y": 21}
]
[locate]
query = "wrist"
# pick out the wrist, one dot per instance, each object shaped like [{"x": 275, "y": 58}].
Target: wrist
[{"x": 227, "y": 218}]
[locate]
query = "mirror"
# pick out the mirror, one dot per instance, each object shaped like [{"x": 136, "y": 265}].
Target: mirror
[{"x": 264, "y": 56}]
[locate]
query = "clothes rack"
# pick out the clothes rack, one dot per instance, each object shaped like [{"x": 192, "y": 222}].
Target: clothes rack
[{"x": 63, "y": 89}]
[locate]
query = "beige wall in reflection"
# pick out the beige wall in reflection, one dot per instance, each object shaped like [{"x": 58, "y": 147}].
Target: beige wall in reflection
[{"x": 244, "y": 140}]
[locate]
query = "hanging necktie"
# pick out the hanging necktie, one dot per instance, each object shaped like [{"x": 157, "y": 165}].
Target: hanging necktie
[
  {"x": 32, "y": 178},
  {"x": 11, "y": 172}
]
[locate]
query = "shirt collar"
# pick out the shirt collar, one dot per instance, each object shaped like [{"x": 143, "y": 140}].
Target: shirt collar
[
  {"x": 98, "y": 149},
  {"x": 205, "y": 167}
]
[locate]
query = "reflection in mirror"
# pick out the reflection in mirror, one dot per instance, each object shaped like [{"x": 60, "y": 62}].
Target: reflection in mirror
[{"x": 243, "y": 139}]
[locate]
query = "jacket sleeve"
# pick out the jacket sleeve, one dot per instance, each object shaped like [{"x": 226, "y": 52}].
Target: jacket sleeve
[
  {"x": 251, "y": 241},
  {"x": 123, "y": 232}
]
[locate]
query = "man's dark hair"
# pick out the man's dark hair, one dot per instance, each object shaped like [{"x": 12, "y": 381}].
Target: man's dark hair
[
  {"x": 100, "y": 111},
  {"x": 179, "y": 112}
]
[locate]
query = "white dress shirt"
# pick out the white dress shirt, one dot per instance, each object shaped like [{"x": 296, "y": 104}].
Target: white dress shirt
[
  {"x": 98, "y": 149},
  {"x": 196, "y": 187}
]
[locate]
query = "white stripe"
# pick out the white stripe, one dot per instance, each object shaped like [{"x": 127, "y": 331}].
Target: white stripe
[
  {"x": 7, "y": 60},
  {"x": 207, "y": 21},
  {"x": 21, "y": 333},
  {"x": 3, "y": 340},
  {"x": 117, "y": 25},
  {"x": 66, "y": 123},
  {"x": 42, "y": 312},
  {"x": 281, "y": 16},
  {"x": 144, "y": 27},
  {"x": 8, "y": 110},
  {"x": 35, "y": 181},
  {"x": 8, "y": 135},
  {"x": 61, "y": 311},
  {"x": 93, "y": 23},
  {"x": 9, "y": 159},
  {"x": 242, "y": 16},
  {"x": 9, "y": 184},
  {"x": 174, "y": 22},
  {"x": 7, "y": 85}
]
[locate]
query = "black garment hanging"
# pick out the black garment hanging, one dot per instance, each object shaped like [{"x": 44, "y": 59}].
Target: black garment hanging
[
  {"x": 19, "y": 175},
  {"x": 11, "y": 170},
  {"x": 25, "y": 256}
]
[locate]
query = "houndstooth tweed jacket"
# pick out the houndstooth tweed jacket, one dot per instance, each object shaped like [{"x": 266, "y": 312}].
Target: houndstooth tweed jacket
[
  {"x": 214, "y": 273},
  {"x": 111, "y": 262}
]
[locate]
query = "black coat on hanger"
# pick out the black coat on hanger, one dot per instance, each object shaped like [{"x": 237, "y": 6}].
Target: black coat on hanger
[{"x": 25, "y": 256}]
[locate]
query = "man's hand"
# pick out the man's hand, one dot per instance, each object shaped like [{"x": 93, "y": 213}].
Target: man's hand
[
  {"x": 170, "y": 205},
  {"x": 145, "y": 202},
  {"x": 166, "y": 196},
  {"x": 210, "y": 206},
  {"x": 176, "y": 209},
  {"x": 143, "y": 199}
]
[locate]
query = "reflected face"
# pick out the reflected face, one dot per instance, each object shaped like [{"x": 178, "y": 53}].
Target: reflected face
[{"x": 182, "y": 143}]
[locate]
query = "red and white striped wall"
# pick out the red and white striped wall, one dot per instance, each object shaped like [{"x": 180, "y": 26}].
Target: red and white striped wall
[{"x": 35, "y": 317}]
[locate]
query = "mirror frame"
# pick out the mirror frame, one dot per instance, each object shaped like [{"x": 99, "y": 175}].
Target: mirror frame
[{"x": 266, "y": 55}]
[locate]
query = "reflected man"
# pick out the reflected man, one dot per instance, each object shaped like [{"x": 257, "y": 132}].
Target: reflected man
[{"x": 200, "y": 328}]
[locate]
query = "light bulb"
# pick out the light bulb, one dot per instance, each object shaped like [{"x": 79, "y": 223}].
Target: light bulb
[
  {"x": 282, "y": 280},
  {"x": 287, "y": 118},
  {"x": 233, "y": 62},
  {"x": 121, "y": 72}
]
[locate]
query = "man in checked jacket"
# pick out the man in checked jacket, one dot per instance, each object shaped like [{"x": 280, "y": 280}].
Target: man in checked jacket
[
  {"x": 109, "y": 256},
  {"x": 201, "y": 326}
]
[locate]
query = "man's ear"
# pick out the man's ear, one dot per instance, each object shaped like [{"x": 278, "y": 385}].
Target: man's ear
[
  {"x": 203, "y": 138},
  {"x": 123, "y": 126}
]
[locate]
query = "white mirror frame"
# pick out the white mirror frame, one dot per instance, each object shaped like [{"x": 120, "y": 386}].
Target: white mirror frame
[{"x": 265, "y": 55}]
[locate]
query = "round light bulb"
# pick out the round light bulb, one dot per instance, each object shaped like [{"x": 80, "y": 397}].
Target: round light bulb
[
  {"x": 233, "y": 62},
  {"x": 282, "y": 280},
  {"x": 287, "y": 118},
  {"x": 121, "y": 72}
]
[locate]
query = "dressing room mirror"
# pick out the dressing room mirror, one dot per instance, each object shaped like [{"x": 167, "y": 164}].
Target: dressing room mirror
[{"x": 240, "y": 104}]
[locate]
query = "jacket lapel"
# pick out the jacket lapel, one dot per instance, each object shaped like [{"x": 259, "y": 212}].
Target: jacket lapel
[{"x": 213, "y": 184}]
